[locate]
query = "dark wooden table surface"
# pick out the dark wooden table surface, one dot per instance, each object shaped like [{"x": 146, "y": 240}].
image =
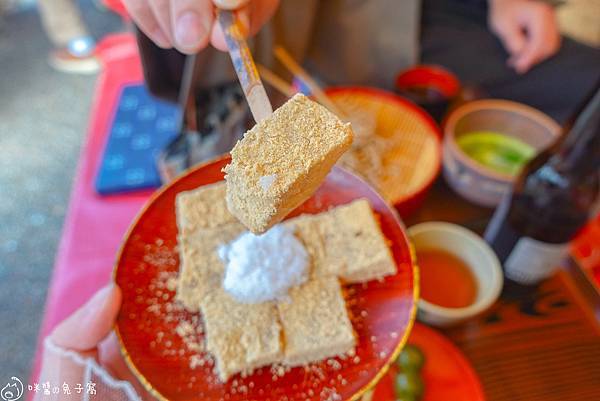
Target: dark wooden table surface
[{"x": 534, "y": 344}]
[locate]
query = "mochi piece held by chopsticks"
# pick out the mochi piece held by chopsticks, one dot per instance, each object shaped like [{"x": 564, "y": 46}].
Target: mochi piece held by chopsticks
[{"x": 294, "y": 148}]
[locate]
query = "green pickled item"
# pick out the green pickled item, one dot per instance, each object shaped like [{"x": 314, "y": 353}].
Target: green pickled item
[
  {"x": 406, "y": 397},
  {"x": 501, "y": 153},
  {"x": 411, "y": 358},
  {"x": 409, "y": 383}
]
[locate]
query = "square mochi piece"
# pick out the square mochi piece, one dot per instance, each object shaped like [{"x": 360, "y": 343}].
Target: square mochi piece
[
  {"x": 315, "y": 322},
  {"x": 241, "y": 337},
  {"x": 282, "y": 161},
  {"x": 355, "y": 248},
  {"x": 200, "y": 268},
  {"x": 204, "y": 207},
  {"x": 306, "y": 229}
]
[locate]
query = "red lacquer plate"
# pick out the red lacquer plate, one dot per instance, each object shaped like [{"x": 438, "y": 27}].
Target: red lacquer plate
[
  {"x": 382, "y": 312},
  {"x": 447, "y": 374}
]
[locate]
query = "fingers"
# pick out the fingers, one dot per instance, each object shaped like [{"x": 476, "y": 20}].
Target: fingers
[
  {"x": 192, "y": 22},
  {"x": 259, "y": 13},
  {"x": 84, "y": 329},
  {"x": 161, "y": 10},
  {"x": 188, "y": 25},
  {"x": 110, "y": 357},
  {"x": 543, "y": 39},
  {"x": 184, "y": 24},
  {"x": 253, "y": 16},
  {"x": 217, "y": 37},
  {"x": 145, "y": 19},
  {"x": 511, "y": 35}
]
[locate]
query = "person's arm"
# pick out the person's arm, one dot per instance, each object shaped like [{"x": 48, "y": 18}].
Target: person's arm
[
  {"x": 528, "y": 30},
  {"x": 189, "y": 25}
]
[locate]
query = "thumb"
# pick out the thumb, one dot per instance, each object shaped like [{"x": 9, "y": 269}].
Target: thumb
[{"x": 84, "y": 329}]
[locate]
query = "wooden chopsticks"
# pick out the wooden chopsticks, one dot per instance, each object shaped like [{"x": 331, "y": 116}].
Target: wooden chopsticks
[{"x": 296, "y": 69}]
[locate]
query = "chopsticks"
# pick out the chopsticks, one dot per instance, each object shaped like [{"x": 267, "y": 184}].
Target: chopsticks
[
  {"x": 249, "y": 76},
  {"x": 276, "y": 81},
  {"x": 243, "y": 63},
  {"x": 288, "y": 61}
]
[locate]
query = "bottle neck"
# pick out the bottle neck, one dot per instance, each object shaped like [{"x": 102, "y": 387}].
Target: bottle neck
[{"x": 579, "y": 149}]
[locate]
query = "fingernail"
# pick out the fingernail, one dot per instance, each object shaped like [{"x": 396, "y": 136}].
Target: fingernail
[
  {"x": 160, "y": 39},
  {"x": 230, "y": 4},
  {"x": 86, "y": 314},
  {"x": 98, "y": 303},
  {"x": 99, "y": 299},
  {"x": 191, "y": 30}
]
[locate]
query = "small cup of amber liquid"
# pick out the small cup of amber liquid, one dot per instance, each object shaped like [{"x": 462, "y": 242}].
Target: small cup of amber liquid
[{"x": 460, "y": 275}]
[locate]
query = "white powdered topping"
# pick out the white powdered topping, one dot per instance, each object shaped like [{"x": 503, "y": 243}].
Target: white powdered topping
[
  {"x": 266, "y": 181},
  {"x": 262, "y": 268}
]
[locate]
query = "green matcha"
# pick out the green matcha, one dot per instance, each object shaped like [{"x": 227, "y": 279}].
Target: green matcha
[{"x": 501, "y": 153}]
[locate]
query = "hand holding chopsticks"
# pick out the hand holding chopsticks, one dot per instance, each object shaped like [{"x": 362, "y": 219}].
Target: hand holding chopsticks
[{"x": 190, "y": 25}]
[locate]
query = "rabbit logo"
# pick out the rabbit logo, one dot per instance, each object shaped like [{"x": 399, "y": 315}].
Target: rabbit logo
[{"x": 13, "y": 390}]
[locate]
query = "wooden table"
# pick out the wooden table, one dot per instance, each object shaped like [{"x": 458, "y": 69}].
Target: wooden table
[{"x": 534, "y": 344}]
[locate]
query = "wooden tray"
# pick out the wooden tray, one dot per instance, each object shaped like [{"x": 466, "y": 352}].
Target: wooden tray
[{"x": 535, "y": 344}]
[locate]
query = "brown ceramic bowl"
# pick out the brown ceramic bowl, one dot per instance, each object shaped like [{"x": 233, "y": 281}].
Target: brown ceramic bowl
[{"x": 472, "y": 180}]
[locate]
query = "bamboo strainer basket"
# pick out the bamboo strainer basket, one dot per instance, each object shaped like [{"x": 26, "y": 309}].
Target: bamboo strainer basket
[{"x": 397, "y": 146}]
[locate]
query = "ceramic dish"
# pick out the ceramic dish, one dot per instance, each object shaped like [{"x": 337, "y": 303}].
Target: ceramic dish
[
  {"x": 383, "y": 311},
  {"x": 472, "y": 180},
  {"x": 478, "y": 256}
]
